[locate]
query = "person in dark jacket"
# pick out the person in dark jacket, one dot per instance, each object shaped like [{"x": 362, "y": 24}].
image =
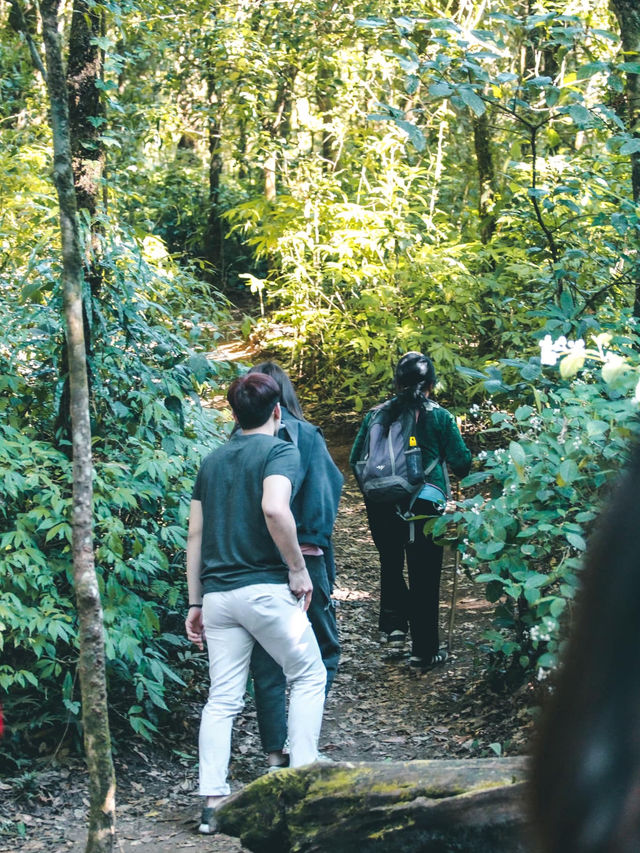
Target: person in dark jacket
[
  {"x": 314, "y": 508},
  {"x": 415, "y": 606}
]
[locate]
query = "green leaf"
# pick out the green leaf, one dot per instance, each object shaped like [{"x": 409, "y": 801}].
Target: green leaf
[
  {"x": 523, "y": 413},
  {"x": 475, "y": 103},
  {"x": 570, "y": 364},
  {"x": 567, "y": 472},
  {"x": 441, "y": 90},
  {"x": 518, "y": 457},
  {"x": 580, "y": 115},
  {"x": 416, "y": 136},
  {"x": 575, "y": 540},
  {"x": 630, "y": 147}
]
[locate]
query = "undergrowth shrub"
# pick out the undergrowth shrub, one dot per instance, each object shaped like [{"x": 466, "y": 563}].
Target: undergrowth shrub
[
  {"x": 147, "y": 368},
  {"x": 561, "y": 442}
]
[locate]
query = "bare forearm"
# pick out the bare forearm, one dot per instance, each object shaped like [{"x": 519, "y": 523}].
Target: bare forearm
[
  {"x": 282, "y": 528},
  {"x": 193, "y": 570}
]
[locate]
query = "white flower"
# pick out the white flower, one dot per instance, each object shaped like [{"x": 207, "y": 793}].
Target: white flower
[
  {"x": 550, "y": 350},
  {"x": 636, "y": 396},
  {"x": 547, "y": 352}
]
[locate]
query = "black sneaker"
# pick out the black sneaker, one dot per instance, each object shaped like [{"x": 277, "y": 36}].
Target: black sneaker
[{"x": 208, "y": 822}]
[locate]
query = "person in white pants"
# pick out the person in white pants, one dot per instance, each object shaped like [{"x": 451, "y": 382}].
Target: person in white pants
[{"x": 247, "y": 581}]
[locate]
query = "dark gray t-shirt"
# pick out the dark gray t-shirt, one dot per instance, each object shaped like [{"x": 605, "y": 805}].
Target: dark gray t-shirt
[{"x": 237, "y": 549}]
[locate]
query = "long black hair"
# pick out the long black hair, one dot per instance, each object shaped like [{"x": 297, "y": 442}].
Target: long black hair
[
  {"x": 414, "y": 375},
  {"x": 585, "y": 786},
  {"x": 288, "y": 396}
]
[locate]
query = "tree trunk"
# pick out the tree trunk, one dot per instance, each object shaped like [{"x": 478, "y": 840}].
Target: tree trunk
[
  {"x": 470, "y": 806},
  {"x": 214, "y": 238},
  {"x": 91, "y": 663},
  {"x": 628, "y": 14},
  {"x": 324, "y": 98},
  {"x": 84, "y": 69},
  {"x": 486, "y": 177},
  {"x": 278, "y": 128}
]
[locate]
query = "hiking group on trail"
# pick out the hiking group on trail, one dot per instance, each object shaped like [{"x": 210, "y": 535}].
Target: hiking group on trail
[{"x": 260, "y": 568}]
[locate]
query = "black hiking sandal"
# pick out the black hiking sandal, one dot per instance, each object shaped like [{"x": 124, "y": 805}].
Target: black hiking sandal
[
  {"x": 397, "y": 640},
  {"x": 208, "y": 822},
  {"x": 424, "y": 664}
]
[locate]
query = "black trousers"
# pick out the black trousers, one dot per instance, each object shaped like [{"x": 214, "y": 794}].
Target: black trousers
[{"x": 414, "y": 605}]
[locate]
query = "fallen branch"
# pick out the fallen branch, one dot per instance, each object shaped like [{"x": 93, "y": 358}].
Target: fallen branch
[{"x": 470, "y": 806}]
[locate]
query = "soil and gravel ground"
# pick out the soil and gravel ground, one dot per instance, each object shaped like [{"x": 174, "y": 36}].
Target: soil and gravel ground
[{"x": 376, "y": 711}]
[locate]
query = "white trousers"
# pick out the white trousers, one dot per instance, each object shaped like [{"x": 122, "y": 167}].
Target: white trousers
[{"x": 270, "y": 614}]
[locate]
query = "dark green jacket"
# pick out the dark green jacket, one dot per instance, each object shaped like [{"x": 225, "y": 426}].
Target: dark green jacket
[{"x": 438, "y": 437}]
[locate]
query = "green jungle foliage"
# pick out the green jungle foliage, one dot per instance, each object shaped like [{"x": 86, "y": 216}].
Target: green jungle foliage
[
  {"x": 453, "y": 178},
  {"x": 539, "y": 491},
  {"x": 150, "y": 433}
]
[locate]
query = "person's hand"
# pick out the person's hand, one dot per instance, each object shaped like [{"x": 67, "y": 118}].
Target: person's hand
[
  {"x": 195, "y": 627},
  {"x": 301, "y": 586}
]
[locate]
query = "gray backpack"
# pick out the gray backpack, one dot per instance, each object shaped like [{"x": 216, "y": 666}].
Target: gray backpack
[{"x": 390, "y": 470}]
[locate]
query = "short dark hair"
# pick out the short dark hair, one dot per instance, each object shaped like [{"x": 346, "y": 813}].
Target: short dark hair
[{"x": 253, "y": 398}]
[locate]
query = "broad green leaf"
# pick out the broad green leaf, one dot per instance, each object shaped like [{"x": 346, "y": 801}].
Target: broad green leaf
[
  {"x": 567, "y": 472},
  {"x": 630, "y": 147},
  {"x": 576, "y": 541},
  {"x": 440, "y": 90},
  {"x": 475, "y": 103},
  {"x": 571, "y": 364},
  {"x": 519, "y": 458}
]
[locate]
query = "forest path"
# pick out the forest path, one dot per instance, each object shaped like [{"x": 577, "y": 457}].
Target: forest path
[{"x": 377, "y": 710}]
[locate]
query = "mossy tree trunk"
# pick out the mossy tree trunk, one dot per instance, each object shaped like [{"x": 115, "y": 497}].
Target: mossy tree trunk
[
  {"x": 470, "y": 806},
  {"x": 86, "y": 117},
  {"x": 486, "y": 177},
  {"x": 86, "y": 110},
  {"x": 91, "y": 664}
]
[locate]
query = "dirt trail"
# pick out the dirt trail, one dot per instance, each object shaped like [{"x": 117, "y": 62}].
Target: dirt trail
[{"x": 376, "y": 711}]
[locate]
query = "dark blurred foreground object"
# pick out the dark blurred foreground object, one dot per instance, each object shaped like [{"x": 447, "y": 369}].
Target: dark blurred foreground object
[
  {"x": 586, "y": 772},
  {"x": 467, "y": 806}
]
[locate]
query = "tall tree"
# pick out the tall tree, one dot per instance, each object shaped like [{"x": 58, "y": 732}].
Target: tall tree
[
  {"x": 91, "y": 663},
  {"x": 215, "y": 231},
  {"x": 486, "y": 177},
  {"x": 86, "y": 110},
  {"x": 86, "y": 115}
]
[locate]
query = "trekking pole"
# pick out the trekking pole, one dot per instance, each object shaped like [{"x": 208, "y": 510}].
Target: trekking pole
[
  {"x": 454, "y": 591},
  {"x": 454, "y": 588}
]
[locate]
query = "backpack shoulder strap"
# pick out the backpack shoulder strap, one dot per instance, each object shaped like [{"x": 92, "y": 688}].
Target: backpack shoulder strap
[{"x": 428, "y": 406}]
